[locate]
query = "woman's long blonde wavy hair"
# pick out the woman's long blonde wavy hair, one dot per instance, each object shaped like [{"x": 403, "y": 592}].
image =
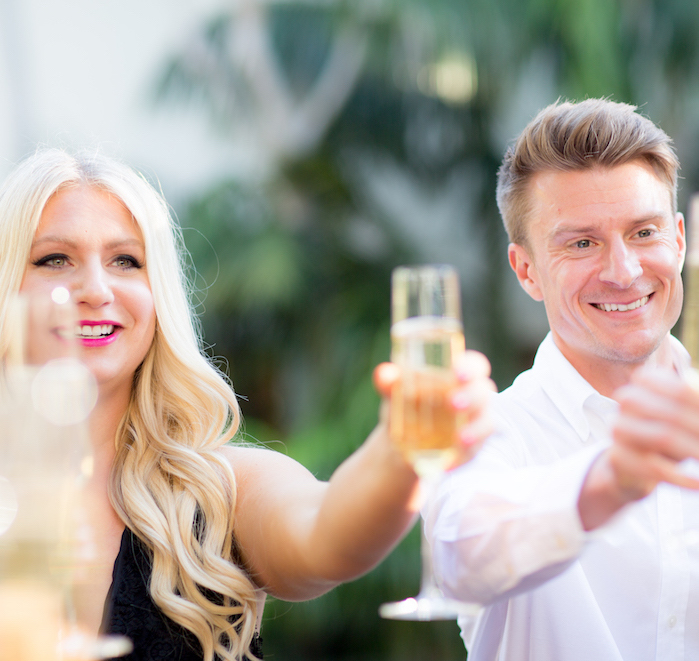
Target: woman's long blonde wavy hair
[{"x": 169, "y": 484}]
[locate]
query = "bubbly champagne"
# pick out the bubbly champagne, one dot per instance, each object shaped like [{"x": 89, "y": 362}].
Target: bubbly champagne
[
  {"x": 690, "y": 312},
  {"x": 30, "y": 601},
  {"x": 30, "y": 621},
  {"x": 423, "y": 422},
  {"x": 38, "y": 559}
]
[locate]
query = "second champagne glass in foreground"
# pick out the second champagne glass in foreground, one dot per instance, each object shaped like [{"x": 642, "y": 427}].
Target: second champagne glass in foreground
[
  {"x": 46, "y": 396},
  {"x": 426, "y": 336}
]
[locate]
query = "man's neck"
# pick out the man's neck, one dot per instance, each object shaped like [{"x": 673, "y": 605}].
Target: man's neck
[{"x": 607, "y": 375}]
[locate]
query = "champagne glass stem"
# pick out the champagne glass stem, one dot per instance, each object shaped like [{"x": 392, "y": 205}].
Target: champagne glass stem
[
  {"x": 428, "y": 582},
  {"x": 430, "y": 603}
]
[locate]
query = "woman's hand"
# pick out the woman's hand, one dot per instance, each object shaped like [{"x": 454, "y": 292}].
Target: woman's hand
[
  {"x": 657, "y": 428},
  {"x": 470, "y": 398}
]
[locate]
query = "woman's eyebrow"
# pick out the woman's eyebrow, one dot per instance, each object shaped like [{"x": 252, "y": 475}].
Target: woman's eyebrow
[{"x": 116, "y": 243}]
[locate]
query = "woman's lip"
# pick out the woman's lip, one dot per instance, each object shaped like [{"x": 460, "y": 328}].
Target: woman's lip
[{"x": 99, "y": 341}]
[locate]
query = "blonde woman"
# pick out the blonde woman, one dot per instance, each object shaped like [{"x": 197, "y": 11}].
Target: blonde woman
[{"x": 191, "y": 529}]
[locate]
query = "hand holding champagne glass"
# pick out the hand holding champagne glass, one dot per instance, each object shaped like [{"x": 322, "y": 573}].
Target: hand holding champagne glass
[{"x": 427, "y": 337}]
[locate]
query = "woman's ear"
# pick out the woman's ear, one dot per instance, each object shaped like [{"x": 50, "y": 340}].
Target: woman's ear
[{"x": 525, "y": 270}]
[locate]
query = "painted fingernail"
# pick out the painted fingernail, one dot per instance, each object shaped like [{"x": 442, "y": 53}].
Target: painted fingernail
[
  {"x": 467, "y": 438},
  {"x": 462, "y": 373},
  {"x": 460, "y": 401}
]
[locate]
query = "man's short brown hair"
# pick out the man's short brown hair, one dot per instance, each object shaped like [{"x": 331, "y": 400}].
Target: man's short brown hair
[{"x": 569, "y": 136}]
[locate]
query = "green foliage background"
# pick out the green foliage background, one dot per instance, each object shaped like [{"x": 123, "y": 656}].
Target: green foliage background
[{"x": 294, "y": 266}]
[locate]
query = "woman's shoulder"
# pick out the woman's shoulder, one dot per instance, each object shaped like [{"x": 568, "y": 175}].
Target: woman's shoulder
[
  {"x": 260, "y": 465},
  {"x": 245, "y": 454}
]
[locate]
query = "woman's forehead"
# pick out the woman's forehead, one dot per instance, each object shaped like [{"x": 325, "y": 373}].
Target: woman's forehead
[{"x": 86, "y": 209}]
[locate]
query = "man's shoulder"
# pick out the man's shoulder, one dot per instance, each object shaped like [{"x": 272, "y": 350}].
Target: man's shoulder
[
  {"x": 526, "y": 391},
  {"x": 533, "y": 424},
  {"x": 549, "y": 386}
]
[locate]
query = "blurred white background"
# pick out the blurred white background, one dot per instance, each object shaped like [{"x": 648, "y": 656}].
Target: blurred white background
[{"x": 82, "y": 73}]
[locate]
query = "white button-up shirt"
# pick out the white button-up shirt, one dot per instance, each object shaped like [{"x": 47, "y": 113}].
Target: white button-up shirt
[{"x": 506, "y": 533}]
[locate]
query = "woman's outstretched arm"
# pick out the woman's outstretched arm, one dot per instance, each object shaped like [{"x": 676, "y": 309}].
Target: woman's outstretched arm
[{"x": 299, "y": 536}]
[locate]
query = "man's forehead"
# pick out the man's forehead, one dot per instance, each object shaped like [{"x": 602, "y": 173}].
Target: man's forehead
[{"x": 592, "y": 199}]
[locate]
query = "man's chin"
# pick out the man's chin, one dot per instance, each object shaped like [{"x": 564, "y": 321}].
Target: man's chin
[{"x": 632, "y": 350}]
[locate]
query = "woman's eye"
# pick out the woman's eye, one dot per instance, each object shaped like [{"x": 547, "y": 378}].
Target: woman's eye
[
  {"x": 53, "y": 261},
  {"x": 127, "y": 262}
]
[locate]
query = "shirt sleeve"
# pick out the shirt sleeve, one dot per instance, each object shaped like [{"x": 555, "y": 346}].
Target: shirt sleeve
[{"x": 498, "y": 530}]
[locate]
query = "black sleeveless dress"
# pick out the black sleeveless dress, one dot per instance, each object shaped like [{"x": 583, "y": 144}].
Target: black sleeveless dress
[{"x": 129, "y": 611}]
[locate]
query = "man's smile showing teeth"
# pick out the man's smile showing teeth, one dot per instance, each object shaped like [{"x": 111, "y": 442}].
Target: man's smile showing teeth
[
  {"x": 613, "y": 307},
  {"x": 94, "y": 331}
]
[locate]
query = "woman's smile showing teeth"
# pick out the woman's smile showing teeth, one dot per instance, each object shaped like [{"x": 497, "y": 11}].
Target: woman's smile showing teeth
[
  {"x": 96, "y": 334},
  {"x": 92, "y": 330},
  {"x": 621, "y": 307}
]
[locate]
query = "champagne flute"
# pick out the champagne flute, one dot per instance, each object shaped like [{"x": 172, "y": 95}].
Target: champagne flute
[
  {"x": 426, "y": 336},
  {"x": 46, "y": 395},
  {"x": 690, "y": 311},
  {"x": 690, "y": 339}
]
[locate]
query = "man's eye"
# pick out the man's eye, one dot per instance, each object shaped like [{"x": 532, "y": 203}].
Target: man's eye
[
  {"x": 583, "y": 243},
  {"x": 645, "y": 233}
]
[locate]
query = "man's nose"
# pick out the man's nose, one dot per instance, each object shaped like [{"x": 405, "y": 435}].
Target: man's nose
[{"x": 621, "y": 265}]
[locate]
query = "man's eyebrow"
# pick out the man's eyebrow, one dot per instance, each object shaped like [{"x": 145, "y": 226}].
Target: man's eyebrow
[
  {"x": 573, "y": 229},
  {"x": 564, "y": 229}
]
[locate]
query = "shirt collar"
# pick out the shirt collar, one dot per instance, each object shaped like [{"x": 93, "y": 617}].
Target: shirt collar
[
  {"x": 681, "y": 359},
  {"x": 564, "y": 386}
]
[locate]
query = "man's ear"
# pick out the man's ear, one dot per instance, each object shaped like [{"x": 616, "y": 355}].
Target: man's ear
[{"x": 524, "y": 269}]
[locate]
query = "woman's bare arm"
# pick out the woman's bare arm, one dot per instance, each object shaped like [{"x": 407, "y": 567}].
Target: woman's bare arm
[{"x": 300, "y": 537}]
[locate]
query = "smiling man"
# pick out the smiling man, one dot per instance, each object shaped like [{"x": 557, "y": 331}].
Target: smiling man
[{"x": 570, "y": 526}]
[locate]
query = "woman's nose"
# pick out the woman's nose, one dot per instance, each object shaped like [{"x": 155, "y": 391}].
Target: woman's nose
[{"x": 92, "y": 287}]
